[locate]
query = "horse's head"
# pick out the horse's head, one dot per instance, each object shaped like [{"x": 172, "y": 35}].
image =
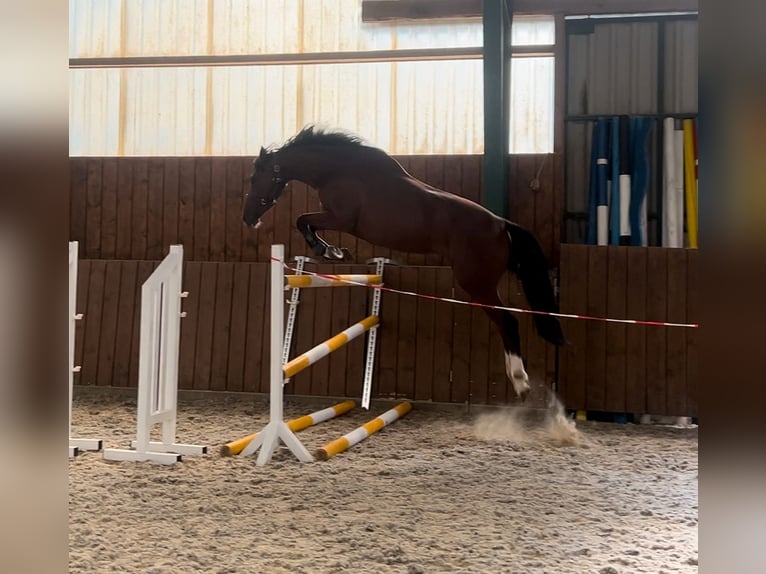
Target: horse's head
[{"x": 266, "y": 185}]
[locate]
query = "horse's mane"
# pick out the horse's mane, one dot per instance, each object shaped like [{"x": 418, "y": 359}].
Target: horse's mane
[{"x": 312, "y": 135}]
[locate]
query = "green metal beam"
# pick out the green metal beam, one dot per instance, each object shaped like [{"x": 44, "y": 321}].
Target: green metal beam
[{"x": 497, "y": 18}]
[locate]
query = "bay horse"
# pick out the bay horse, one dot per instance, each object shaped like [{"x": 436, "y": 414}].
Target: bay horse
[{"x": 366, "y": 193}]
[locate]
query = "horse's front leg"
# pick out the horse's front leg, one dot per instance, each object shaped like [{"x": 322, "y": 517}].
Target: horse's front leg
[{"x": 309, "y": 223}]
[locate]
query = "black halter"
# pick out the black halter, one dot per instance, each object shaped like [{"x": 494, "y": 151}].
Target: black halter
[{"x": 278, "y": 186}]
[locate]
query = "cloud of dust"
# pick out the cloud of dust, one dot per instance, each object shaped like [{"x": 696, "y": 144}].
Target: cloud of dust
[
  {"x": 514, "y": 426},
  {"x": 560, "y": 430}
]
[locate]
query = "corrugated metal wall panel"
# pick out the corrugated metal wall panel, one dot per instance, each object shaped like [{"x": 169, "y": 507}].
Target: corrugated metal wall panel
[
  {"x": 681, "y": 67},
  {"x": 614, "y": 69},
  {"x": 405, "y": 108},
  {"x": 94, "y": 104},
  {"x": 95, "y": 27}
]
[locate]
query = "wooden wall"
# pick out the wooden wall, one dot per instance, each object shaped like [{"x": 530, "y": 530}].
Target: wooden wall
[
  {"x": 126, "y": 212},
  {"x": 134, "y": 208},
  {"x": 630, "y": 368},
  {"x": 426, "y": 350}
]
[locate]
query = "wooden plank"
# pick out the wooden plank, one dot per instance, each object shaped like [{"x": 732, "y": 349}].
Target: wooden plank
[
  {"x": 407, "y": 348},
  {"x": 235, "y": 188},
  {"x": 186, "y": 188},
  {"x": 108, "y": 225},
  {"x": 358, "y": 298},
  {"x": 545, "y": 214},
  {"x": 470, "y": 186},
  {"x": 108, "y": 329},
  {"x": 203, "y": 352},
  {"x": 145, "y": 269},
  {"x": 124, "y": 208},
  {"x": 339, "y": 320},
  {"x": 202, "y": 208},
  {"x": 93, "y": 323},
  {"x": 616, "y": 335},
  {"x": 249, "y": 236},
  {"x": 139, "y": 217},
  {"x": 126, "y": 315},
  {"x": 425, "y": 336},
  {"x": 170, "y": 203},
  {"x": 452, "y": 180},
  {"x": 479, "y": 359},
  {"x": 434, "y": 175},
  {"x": 524, "y": 196},
  {"x": 78, "y": 200},
  {"x": 83, "y": 284},
  {"x": 461, "y": 350},
  {"x": 93, "y": 211},
  {"x": 576, "y": 283},
  {"x": 154, "y": 211},
  {"x": 676, "y": 336},
  {"x": 656, "y": 337},
  {"x": 692, "y": 335},
  {"x": 443, "y": 323},
  {"x": 238, "y": 334},
  {"x": 558, "y": 198},
  {"x": 635, "y": 348},
  {"x": 219, "y": 362},
  {"x": 264, "y": 381},
  {"x": 190, "y": 305},
  {"x": 217, "y": 209},
  {"x": 256, "y": 332},
  {"x": 384, "y": 384},
  {"x": 596, "y": 330}
]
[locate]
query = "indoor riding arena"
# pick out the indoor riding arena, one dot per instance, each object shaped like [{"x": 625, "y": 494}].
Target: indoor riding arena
[{"x": 401, "y": 286}]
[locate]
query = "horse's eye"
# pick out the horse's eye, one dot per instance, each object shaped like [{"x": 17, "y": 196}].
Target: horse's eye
[{"x": 263, "y": 201}]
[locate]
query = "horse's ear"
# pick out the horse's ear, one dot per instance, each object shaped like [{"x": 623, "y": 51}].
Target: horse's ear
[{"x": 263, "y": 153}]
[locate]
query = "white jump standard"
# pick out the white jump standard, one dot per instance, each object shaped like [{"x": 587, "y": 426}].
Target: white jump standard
[
  {"x": 158, "y": 367},
  {"x": 75, "y": 444},
  {"x": 295, "y": 425}
]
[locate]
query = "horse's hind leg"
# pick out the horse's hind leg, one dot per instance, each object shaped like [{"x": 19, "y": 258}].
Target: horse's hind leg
[
  {"x": 309, "y": 223},
  {"x": 508, "y": 327},
  {"x": 478, "y": 271}
]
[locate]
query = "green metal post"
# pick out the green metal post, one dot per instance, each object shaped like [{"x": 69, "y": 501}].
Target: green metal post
[{"x": 497, "y": 17}]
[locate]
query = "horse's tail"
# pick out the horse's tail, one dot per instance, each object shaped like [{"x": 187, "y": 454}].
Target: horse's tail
[{"x": 528, "y": 261}]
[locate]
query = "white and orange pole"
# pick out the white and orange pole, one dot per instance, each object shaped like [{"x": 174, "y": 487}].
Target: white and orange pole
[
  {"x": 304, "y": 281},
  {"x": 358, "y": 435},
  {"x": 308, "y": 358}
]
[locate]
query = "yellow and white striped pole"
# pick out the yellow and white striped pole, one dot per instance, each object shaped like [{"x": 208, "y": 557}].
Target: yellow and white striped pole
[
  {"x": 358, "y": 435},
  {"x": 333, "y": 344},
  {"x": 303, "y": 281},
  {"x": 295, "y": 425}
]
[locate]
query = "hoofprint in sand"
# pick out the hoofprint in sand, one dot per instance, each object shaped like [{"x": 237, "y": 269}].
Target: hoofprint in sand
[{"x": 437, "y": 491}]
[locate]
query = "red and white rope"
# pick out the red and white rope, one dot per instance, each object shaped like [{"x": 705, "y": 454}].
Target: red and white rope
[{"x": 512, "y": 309}]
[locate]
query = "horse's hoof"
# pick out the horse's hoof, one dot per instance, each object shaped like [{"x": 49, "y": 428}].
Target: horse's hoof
[{"x": 333, "y": 253}]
